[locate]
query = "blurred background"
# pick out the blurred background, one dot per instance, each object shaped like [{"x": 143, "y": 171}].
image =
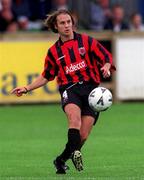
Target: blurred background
[{"x": 117, "y": 24}]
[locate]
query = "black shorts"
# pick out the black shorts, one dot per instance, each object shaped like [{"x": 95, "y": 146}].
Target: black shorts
[{"x": 77, "y": 93}]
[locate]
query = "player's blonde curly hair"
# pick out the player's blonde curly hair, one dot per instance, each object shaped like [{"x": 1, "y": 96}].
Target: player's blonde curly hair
[{"x": 51, "y": 19}]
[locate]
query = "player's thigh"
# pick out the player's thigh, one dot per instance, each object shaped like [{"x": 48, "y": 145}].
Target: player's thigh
[
  {"x": 86, "y": 126},
  {"x": 73, "y": 113}
]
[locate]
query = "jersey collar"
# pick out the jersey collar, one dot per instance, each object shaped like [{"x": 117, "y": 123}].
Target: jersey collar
[{"x": 60, "y": 42}]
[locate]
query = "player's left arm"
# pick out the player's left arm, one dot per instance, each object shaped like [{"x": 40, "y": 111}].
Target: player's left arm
[
  {"x": 106, "y": 70},
  {"x": 104, "y": 58}
]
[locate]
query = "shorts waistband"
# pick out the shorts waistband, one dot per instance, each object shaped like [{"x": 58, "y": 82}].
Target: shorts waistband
[{"x": 70, "y": 85}]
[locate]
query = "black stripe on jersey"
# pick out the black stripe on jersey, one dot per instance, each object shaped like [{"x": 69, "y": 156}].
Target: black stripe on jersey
[
  {"x": 60, "y": 54},
  {"x": 51, "y": 56},
  {"x": 80, "y": 41},
  {"x": 80, "y": 44},
  {"x": 104, "y": 53},
  {"x": 97, "y": 58},
  {"x": 92, "y": 54},
  {"x": 72, "y": 55},
  {"x": 80, "y": 76},
  {"x": 63, "y": 63},
  {"x": 90, "y": 40},
  {"x": 53, "y": 59},
  {"x": 47, "y": 71}
]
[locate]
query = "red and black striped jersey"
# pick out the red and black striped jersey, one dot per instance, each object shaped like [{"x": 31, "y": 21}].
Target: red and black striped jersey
[{"x": 75, "y": 60}]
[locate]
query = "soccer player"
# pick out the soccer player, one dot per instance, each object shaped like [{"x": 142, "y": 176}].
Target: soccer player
[{"x": 77, "y": 61}]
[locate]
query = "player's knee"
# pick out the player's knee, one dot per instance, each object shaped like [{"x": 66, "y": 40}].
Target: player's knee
[{"x": 74, "y": 120}]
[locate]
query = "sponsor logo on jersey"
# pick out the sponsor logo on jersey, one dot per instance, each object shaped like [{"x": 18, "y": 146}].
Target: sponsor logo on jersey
[{"x": 75, "y": 66}]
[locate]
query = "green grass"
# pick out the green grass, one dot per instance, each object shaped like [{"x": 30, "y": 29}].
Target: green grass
[{"x": 32, "y": 136}]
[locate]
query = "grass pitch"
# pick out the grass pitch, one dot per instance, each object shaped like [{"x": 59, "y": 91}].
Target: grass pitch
[{"x": 32, "y": 136}]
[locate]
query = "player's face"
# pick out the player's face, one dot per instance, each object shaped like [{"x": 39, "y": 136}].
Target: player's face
[{"x": 64, "y": 25}]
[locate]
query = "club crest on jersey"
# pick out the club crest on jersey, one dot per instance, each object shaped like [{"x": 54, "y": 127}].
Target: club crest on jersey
[{"x": 82, "y": 51}]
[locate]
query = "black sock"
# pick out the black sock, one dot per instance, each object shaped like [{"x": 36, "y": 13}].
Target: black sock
[
  {"x": 72, "y": 144},
  {"x": 81, "y": 145}
]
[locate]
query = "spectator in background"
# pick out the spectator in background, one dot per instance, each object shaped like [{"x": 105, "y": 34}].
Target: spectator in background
[
  {"x": 116, "y": 23},
  {"x": 8, "y": 19},
  {"x": 39, "y": 9},
  {"x": 0, "y": 6},
  {"x": 136, "y": 22},
  {"x": 99, "y": 13},
  {"x": 22, "y": 10},
  {"x": 81, "y": 9},
  {"x": 59, "y": 4},
  {"x": 45, "y": 7},
  {"x": 31, "y": 13},
  {"x": 105, "y": 5},
  {"x": 91, "y": 13}
]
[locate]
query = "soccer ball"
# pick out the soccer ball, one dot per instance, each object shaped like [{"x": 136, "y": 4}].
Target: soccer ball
[{"x": 100, "y": 99}]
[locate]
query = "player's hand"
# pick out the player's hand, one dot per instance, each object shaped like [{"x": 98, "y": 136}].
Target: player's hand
[
  {"x": 106, "y": 70},
  {"x": 19, "y": 91}
]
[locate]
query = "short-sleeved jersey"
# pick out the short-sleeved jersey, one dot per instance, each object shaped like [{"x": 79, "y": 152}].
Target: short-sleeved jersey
[{"x": 75, "y": 60}]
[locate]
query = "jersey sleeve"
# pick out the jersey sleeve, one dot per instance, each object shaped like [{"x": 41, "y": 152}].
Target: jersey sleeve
[
  {"x": 101, "y": 54},
  {"x": 50, "y": 67}
]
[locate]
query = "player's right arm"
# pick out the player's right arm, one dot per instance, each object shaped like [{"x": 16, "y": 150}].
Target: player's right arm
[
  {"x": 39, "y": 82},
  {"x": 48, "y": 74}
]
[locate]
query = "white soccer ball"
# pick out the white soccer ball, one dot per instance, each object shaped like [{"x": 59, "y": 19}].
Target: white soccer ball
[{"x": 100, "y": 99}]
